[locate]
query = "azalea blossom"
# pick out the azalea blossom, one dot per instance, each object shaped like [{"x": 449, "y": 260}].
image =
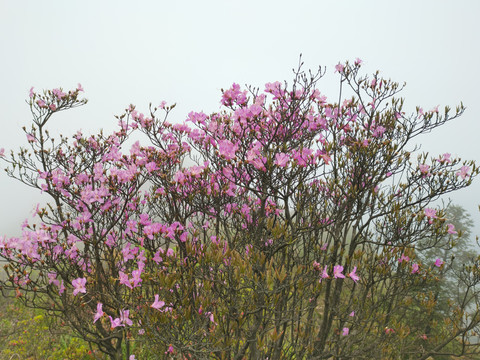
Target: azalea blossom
[
  {"x": 79, "y": 286},
  {"x": 99, "y": 312},
  {"x": 424, "y": 169},
  {"x": 389, "y": 330},
  {"x": 170, "y": 350},
  {"x": 464, "y": 172},
  {"x": 115, "y": 322},
  {"x": 438, "y": 262},
  {"x": 227, "y": 149},
  {"x": 157, "y": 304},
  {"x": 430, "y": 214},
  {"x": 324, "y": 273},
  {"x": 353, "y": 274},
  {"x": 414, "y": 268},
  {"x": 445, "y": 158},
  {"x": 451, "y": 229},
  {"x": 124, "y": 318},
  {"x": 339, "y": 67},
  {"x": 345, "y": 331},
  {"x": 281, "y": 159},
  {"x": 337, "y": 272}
]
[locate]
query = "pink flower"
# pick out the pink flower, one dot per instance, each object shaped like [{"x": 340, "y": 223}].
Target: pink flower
[
  {"x": 353, "y": 275},
  {"x": 438, "y": 262},
  {"x": 179, "y": 177},
  {"x": 345, "y": 331},
  {"x": 31, "y": 138},
  {"x": 79, "y": 87},
  {"x": 424, "y": 169},
  {"x": 352, "y": 314},
  {"x": 430, "y": 214},
  {"x": 227, "y": 149},
  {"x": 115, "y": 323},
  {"x": 124, "y": 318},
  {"x": 79, "y": 286},
  {"x": 339, "y": 67},
  {"x": 451, "y": 229},
  {"x": 53, "y": 107},
  {"x": 445, "y": 158},
  {"x": 324, "y": 273},
  {"x": 99, "y": 313},
  {"x": 414, "y": 268},
  {"x": 463, "y": 172},
  {"x": 170, "y": 350},
  {"x": 389, "y": 330},
  {"x": 136, "y": 277},
  {"x": 281, "y": 159},
  {"x": 2, "y": 152},
  {"x": 31, "y": 92},
  {"x": 41, "y": 103},
  {"x": 337, "y": 272},
  {"x": 124, "y": 280},
  {"x": 358, "y": 61},
  {"x": 157, "y": 304},
  {"x": 210, "y": 316}
]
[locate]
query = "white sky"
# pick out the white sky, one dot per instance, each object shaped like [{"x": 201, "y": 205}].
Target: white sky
[{"x": 184, "y": 52}]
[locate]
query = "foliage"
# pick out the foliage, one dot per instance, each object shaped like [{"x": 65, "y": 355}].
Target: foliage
[
  {"x": 27, "y": 334},
  {"x": 282, "y": 227}
]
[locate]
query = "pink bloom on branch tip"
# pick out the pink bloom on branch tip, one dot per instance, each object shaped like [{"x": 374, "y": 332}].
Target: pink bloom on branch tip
[
  {"x": 424, "y": 169},
  {"x": 414, "y": 268},
  {"x": 464, "y": 172},
  {"x": 115, "y": 322},
  {"x": 99, "y": 313},
  {"x": 124, "y": 319},
  {"x": 438, "y": 262},
  {"x": 445, "y": 158},
  {"x": 430, "y": 214},
  {"x": 451, "y": 229},
  {"x": 324, "y": 273},
  {"x": 157, "y": 304},
  {"x": 31, "y": 92},
  {"x": 339, "y": 67},
  {"x": 345, "y": 331},
  {"x": 353, "y": 274},
  {"x": 337, "y": 272},
  {"x": 227, "y": 149},
  {"x": 170, "y": 350},
  {"x": 281, "y": 159},
  {"x": 79, "y": 286}
]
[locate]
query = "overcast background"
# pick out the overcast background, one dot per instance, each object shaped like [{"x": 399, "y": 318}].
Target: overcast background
[{"x": 184, "y": 52}]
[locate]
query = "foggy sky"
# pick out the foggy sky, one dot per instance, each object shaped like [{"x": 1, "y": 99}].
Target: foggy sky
[{"x": 184, "y": 52}]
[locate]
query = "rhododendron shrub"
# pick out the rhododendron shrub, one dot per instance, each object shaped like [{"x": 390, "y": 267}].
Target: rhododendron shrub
[{"x": 283, "y": 226}]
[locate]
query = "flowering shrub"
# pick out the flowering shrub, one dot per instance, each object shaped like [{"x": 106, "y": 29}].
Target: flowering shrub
[{"x": 284, "y": 226}]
